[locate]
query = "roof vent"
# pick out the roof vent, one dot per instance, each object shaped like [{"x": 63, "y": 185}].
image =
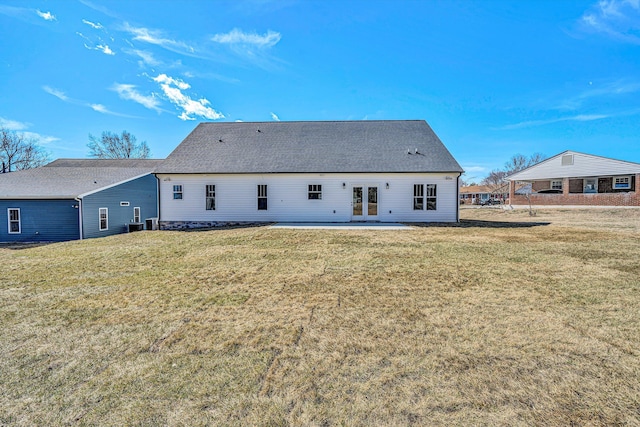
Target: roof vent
[
  {"x": 408, "y": 151},
  {"x": 258, "y": 131},
  {"x": 567, "y": 160},
  {"x": 220, "y": 140},
  {"x": 417, "y": 150}
]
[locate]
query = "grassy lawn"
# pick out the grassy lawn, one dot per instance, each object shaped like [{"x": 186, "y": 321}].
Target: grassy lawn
[{"x": 504, "y": 320}]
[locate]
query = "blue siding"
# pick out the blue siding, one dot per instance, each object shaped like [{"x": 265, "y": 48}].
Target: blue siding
[
  {"x": 41, "y": 220},
  {"x": 142, "y": 193}
]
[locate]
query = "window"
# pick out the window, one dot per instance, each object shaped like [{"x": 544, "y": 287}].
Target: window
[
  {"x": 431, "y": 197},
  {"x": 124, "y": 203},
  {"x": 315, "y": 192},
  {"x": 136, "y": 215},
  {"x": 556, "y": 184},
  {"x": 14, "y": 220},
  {"x": 177, "y": 192},
  {"x": 104, "y": 218},
  {"x": 262, "y": 197},
  {"x": 418, "y": 197},
  {"x": 621, "y": 182},
  {"x": 210, "y": 197}
]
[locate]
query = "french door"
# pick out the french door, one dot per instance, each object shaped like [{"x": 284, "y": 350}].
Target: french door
[{"x": 365, "y": 203}]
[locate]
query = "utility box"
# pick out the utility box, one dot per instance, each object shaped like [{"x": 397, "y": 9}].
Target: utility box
[
  {"x": 151, "y": 223},
  {"x": 135, "y": 226}
]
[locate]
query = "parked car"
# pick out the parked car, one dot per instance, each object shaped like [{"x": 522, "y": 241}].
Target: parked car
[{"x": 489, "y": 202}]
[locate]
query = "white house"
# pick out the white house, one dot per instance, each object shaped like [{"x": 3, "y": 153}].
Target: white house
[
  {"x": 338, "y": 171},
  {"x": 573, "y": 178}
]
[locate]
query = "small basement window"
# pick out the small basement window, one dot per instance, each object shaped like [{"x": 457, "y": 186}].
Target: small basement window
[
  {"x": 315, "y": 192},
  {"x": 621, "y": 182},
  {"x": 177, "y": 192}
]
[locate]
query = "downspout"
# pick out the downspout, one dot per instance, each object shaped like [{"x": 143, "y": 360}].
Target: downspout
[
  {"x": 458, "y": 197},
  {"x": 80, "y": 216},
  {"x": 157, "y": 200}
]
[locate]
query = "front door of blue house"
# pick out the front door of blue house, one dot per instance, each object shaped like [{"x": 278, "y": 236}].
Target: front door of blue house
[{"x": 364, "y": 205}]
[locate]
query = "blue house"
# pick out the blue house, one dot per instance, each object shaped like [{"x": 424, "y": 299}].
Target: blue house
[{"x": 77, "y": 199}]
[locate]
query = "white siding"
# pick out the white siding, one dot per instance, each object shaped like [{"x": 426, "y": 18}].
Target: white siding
[
  {"x": 236, "y": 197},
  {"x": 584, "y": 165}
]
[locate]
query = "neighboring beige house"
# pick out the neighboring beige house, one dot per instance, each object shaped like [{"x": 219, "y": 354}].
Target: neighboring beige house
[{"x": 573, "y": 178}]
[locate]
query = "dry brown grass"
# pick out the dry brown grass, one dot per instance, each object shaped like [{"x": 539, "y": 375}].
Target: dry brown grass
[{"x": 488, "y": 323}]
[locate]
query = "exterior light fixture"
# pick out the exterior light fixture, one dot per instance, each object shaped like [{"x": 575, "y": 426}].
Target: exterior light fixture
[
  {"x": 344, "y": 185},
  {"x": 387, "y": 185}
]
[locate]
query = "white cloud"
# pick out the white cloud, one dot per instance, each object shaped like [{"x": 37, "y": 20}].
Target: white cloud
[
  {"x": 105, "y": 49},
  {"x": 13, "y": 124},
  {"x": 146, "y": 57},
  {"x": 47, "y": 16},
  {"x": 618, "y": 19},
  {"x": 236, "y": 36},
  {"x": 57, "y": 93},
  {"x": 129, "y": 92},
  {"x": 99, "y": 108},
  {"x": 41, "y": 139},
  {"x": 172, "y": 89},
  {"x": 157, "y": 38},
  {"x": 275, "y": 117},
  {"x": 95, "y": 25},
  {"x": 20, "y": 127}
]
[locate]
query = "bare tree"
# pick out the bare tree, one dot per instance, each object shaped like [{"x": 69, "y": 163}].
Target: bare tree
[
  {"x": 17, "y": 152},
  {"x": 114, "y": 146},
  {"x": 495, "y": 180},
  {"x": 520, "y": 162}
]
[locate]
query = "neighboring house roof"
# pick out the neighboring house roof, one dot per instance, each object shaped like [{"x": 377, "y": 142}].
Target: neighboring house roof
[
  {"x": 483, "y": 189},
  {"x": 299, "y": 147},
  {"x": 572, "y": 164},
  {"x": 71, "y": 178},
  {"x": 475, "y": 189}
]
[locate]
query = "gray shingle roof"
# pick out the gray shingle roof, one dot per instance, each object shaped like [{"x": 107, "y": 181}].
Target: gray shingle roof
[
  {"x": 70, "y": 178},
  {"x": 299, "y": 147}
]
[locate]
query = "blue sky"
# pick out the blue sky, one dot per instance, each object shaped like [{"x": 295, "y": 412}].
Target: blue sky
[{"x": 492, "y": 78}]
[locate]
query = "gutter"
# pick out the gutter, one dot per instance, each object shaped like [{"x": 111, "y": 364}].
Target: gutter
[
  {"x": 157, "y": 199},
  {"x": 458, "y": 198}
]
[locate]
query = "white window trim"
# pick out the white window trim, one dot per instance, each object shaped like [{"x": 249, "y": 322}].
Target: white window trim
[
  {"x": 258, "y": 197},
  {"x": 134, "y": 214},
  {"x": 9, "y": 221},
  {"x": 124, "y": 203},
  {"x": 551, "y": 187},
  {"x": 427, "y": 197},
  {"x": 422, "y": 196},
  {"x": 174, "y": 192},
  {"x": 318, "y": 192},
  {"x": 206, "y": 197},
  {"x": 628, "y": 187},
  {"x": 100, "y": 219}
]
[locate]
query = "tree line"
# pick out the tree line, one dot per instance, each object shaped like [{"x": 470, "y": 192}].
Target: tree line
[
  {"x": 19, "y": 152},
  {"x": 497, "y": 178}
]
